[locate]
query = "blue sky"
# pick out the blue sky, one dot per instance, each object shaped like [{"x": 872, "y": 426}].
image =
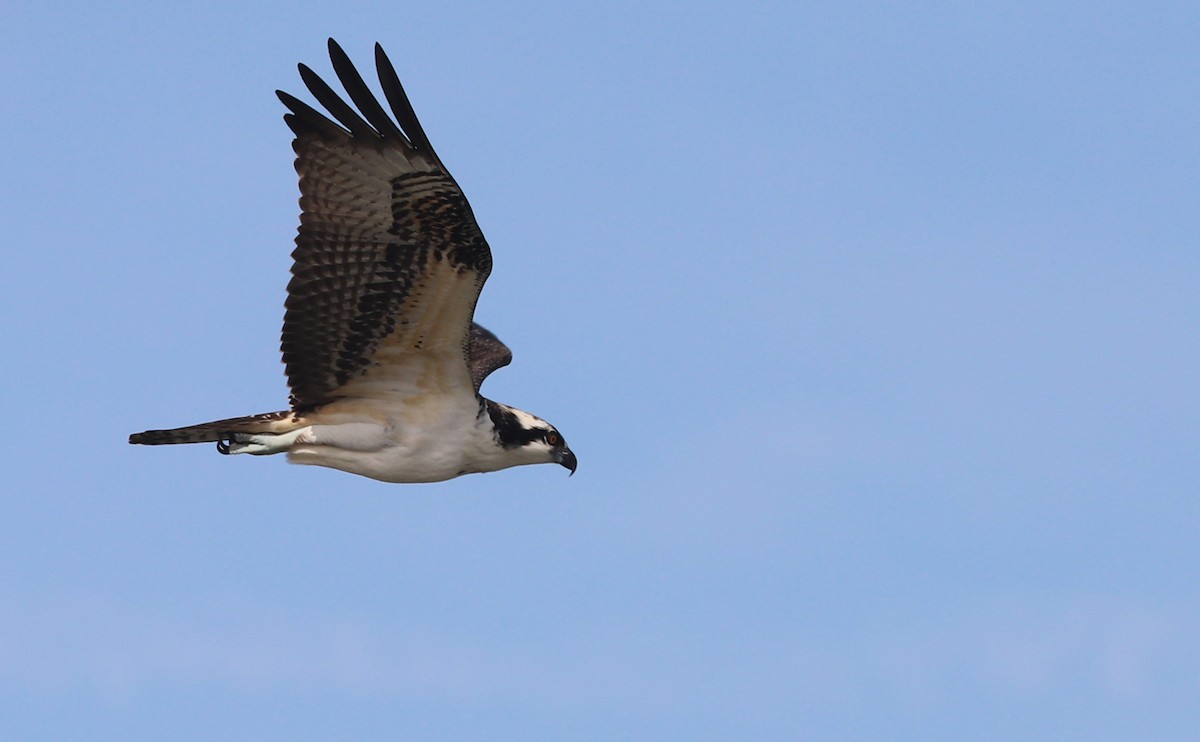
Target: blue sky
[{"x": 873, "y": 326}]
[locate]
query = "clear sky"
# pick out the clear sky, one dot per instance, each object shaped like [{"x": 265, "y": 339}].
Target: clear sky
[{"x": 873, "y": 325}]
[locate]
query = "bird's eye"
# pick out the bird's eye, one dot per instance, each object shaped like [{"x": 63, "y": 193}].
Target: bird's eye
[{"x": 553, "y": 438}]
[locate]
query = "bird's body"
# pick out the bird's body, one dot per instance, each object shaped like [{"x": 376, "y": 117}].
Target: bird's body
[
  {"x": 381, "y": 351},
  {"x": 423, "y": 440}
]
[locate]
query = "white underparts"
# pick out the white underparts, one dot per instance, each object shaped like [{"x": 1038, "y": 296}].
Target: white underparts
[{"x": 428, "y": 439}]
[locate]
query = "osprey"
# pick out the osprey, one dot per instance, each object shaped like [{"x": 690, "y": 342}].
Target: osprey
[{"x": 382, "y": 354}]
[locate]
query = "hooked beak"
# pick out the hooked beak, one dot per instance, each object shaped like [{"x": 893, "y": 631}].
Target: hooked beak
[{"x": 567, "y": 459}]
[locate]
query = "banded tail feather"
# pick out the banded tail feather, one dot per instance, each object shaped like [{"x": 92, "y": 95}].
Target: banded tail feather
[{"x": 218, "y": 430}]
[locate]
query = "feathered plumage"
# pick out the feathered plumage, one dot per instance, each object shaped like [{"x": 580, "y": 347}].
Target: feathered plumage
[{"x": 380, "y": 348}]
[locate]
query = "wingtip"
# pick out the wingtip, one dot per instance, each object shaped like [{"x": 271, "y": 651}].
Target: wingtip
[
  {"x": 335, "y": 48},
  {"x": 381, "y": 59}
]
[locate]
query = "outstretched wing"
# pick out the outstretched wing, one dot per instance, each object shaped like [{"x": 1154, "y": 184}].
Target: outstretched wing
[
  {"x": 486, "y": 354},
  {"x": 389, "y": 260}
]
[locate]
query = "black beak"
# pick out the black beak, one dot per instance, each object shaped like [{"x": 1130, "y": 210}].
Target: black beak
[{"x": 567, "y": 459}]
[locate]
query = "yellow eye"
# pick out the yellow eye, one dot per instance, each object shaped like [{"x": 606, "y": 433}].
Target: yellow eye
[{"x": 553, "y": 439}]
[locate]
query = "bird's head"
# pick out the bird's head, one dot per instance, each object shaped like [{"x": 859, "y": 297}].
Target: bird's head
[{"x": 529, "y": 439}]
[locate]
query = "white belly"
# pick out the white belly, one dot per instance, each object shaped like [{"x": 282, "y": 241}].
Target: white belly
[{"x": 424, "y": 438}]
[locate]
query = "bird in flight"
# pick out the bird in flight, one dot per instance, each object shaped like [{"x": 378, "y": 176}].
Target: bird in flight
[{"x": 381, "y": 351}]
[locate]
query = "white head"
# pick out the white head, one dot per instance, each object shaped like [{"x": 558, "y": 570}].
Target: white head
[{"x": 528, "y": 439}]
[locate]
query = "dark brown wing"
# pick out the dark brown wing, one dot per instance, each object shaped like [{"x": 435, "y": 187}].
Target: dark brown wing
[
  {"x": 486, "y": 354},
  {"x": 389, "y": 260}
]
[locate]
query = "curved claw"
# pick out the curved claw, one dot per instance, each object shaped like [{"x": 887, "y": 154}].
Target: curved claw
[{"x": 223, "y": 444}]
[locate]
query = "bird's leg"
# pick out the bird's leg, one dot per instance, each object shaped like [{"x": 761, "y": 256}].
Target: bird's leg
[{"x": 259, "y": 444}]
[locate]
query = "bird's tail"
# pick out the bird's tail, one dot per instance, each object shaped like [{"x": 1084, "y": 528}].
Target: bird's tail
[{"x": 220, "y": 430}]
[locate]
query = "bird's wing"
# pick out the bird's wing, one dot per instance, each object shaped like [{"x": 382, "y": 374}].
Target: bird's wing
[
  {"x": 389, "y": 260},
  {"x": 486, "y": 354}
]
